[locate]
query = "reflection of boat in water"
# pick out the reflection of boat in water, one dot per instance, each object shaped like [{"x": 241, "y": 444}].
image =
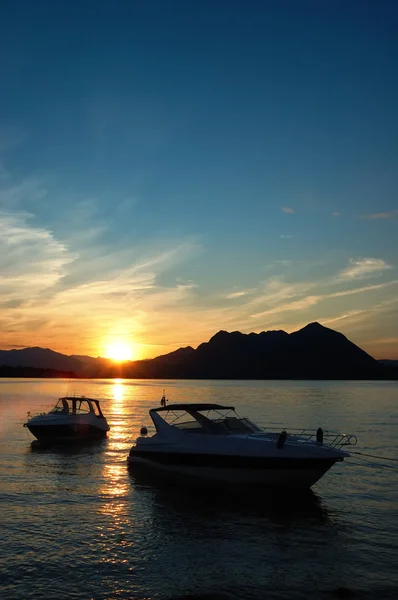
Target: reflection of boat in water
[
  {"x": 211, "y": 442},
  {"x": 74, "y": 418},
  {"x": 203, "y": 504}
]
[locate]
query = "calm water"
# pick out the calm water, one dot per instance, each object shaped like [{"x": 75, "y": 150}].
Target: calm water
[{"x": 75, "y": 524}]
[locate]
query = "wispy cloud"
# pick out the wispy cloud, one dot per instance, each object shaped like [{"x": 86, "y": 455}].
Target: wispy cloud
[
  {"x": 367, "y": 288},
  {"x": 355, "y": 318},
  {"x": 31, "y": 259},
  {"x": 381, "y": 215},
  {"x": 350, "y": 314},
  {"x": 336, "y": 214},
  {"x": 364, "y": 267},
  {"x": 299, "y": 297},
  {"x": 382, "y": 341},
  {"x": 240, "y": 293},
  {"x": 14, "y": 196},
  {"x": 287, "y": 209},
  {"x": 286, "y": 237},
  {"x": 296, "y": 305}
]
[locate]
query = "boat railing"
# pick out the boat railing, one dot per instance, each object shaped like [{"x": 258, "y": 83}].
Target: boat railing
[
  {"x": 334, "y": 439},
  {"x": 30, "y": 416}
]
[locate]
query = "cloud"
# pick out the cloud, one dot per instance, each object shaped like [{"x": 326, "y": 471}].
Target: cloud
[
  {"x": 368, "y": 288},
  {"x": 364, "y": 267},
  {"x": 350, "y": 314},
  {"x": 31, "y": 259},
  {"x": 302, "y": 304},
  {"x": 336, "y": 214},
  {"x": 381, "y": 215},
  {"x": 280, "y": 297},
  {"x": 382, "y": 341},
  {"x": 275, "y": 294},
  {"x": 176, "y": 254},
  {"x": 298, "y": 300},
  {"x": 356, "y": 317},
  {"x": 239, "y": 294},
  {"x": 14, "y": 196},
  {"x": 287, "y": 209},
  {"x": 286, "y": 237},
  {"x": 121, "y": 286}
]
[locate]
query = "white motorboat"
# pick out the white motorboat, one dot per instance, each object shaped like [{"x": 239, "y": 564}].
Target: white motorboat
[
  {"x": 73, "y": 418},
  {"x": 212, "y": 442}
]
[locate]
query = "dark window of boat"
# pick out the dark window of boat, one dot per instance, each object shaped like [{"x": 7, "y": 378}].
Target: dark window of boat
[
  {"x": 212, "y": 421},
  {"x": 82, "y": 407}
]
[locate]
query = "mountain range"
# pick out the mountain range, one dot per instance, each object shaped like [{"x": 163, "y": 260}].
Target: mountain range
[{"x": 313, "y": 352}]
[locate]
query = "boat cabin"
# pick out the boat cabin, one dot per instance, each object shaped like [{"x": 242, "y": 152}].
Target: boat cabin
[
  {"x": 202, "y": 418},
  {"x": 77, "y": 405}
]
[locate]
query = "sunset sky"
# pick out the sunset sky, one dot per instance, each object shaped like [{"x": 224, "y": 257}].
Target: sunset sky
[{"x": 172, "y": 168}]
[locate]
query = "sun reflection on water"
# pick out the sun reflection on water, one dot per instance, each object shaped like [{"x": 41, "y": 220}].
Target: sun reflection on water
[
  {"x": 115, "y": 481},
  {"x": 115, "y": 485},
  {"x": 118, "y": 390}
]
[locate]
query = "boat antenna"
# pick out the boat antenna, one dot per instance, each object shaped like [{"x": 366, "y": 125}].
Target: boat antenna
[{"x": 163, "y": 400}]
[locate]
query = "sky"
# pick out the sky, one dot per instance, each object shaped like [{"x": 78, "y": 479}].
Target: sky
[{"x": 172, "y": 168}]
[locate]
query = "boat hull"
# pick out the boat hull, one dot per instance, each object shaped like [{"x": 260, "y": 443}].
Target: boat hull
[
  {"x": 67, "y": 433},
  {"x": 238, "y": 470}
]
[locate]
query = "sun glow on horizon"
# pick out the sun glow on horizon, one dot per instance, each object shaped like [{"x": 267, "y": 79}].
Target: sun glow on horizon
[{"x": 119, "y": 351}]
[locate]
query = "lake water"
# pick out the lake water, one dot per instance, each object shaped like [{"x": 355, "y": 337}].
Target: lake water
[{"x": 76, "y": 524}]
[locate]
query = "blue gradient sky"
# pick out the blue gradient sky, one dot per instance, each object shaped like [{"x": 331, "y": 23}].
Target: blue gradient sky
[{"x": 172, "y": 168}]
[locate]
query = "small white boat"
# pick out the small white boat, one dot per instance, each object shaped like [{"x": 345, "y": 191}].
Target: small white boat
[
  {"x": 74, "y": 418},
  {"x": 212, "y": 442}
]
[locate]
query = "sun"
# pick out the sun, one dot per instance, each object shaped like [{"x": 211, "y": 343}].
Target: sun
[{"x": 119, "y": 351}]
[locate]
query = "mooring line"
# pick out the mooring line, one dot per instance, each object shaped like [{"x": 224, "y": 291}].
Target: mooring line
[
  {"x": 375, "y": 456},
  {"x": 373, "y": 465}
]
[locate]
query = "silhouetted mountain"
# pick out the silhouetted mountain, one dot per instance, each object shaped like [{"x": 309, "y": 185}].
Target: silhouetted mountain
[
  {"x": 313, "y": 352},
  {"x": 388, "y": 363},
  {"x": 39, "y": 358},
  {"x": 95, "y": 367},
  {"x": 166, "y": 366},
  {"x": 84, "y": 358},
  {"x": 389, "y": 368}
]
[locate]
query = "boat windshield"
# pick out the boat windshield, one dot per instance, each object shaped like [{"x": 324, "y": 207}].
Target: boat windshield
[
  {"x": 216, "y": 421},
  {"x": 82, "y": 407},
  {"x": 62, "y": 406},
  {"x": 76, "y": 406}
]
